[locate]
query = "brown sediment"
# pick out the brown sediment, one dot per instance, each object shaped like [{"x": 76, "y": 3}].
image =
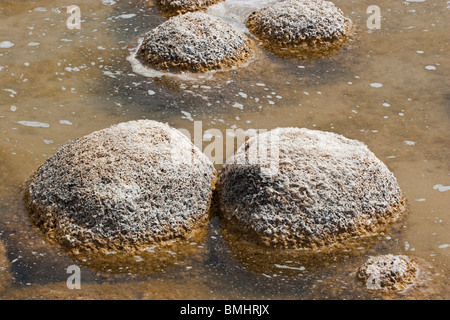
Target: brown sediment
[
  {"x": 300, "y": 28},
  {"x": 5, "y": 275},
  {"x": 151, "y": 289},
  {"x": 123, "y": 189},
  {"x": 195, "y": 42},
  {"x": 174, "y": 7},
  {"x": 326, "y": 190}
]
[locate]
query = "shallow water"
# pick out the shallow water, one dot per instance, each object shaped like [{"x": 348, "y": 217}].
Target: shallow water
[{"x": 388, "y": 88}]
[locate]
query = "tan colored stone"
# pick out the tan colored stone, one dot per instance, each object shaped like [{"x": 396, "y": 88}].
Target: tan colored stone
[
  {"x": 195, "y": 42},
  {"x": 300, "y": 188},
  {"x": 123, "y": 189}
]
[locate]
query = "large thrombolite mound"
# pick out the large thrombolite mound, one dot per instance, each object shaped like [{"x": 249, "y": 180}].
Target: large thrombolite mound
[
  {"x": 183, "y": 6},
  {"x": 306, "y": 189},
  {"x": 389, "y": 273},
  {"x": 131, "y": 186},
  {"x": 307, "y": 28},
  {"x": 195, "y": 42}
]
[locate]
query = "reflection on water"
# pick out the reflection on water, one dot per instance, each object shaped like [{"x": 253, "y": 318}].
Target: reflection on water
[{"x": 389, "y": 89}]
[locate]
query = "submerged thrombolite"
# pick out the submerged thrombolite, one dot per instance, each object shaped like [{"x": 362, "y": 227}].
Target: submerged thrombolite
[
  {"x": 310, "y": 27},
  {"x": 183, "y": 6},
  {"x": 300, "y": 188},
  {"x": 124, "y": 188},
  {"x": 389, "y": 273},
  {"x": 195, "y": 41}
]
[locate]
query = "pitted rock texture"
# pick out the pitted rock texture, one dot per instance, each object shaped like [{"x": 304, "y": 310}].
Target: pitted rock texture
[
  {"x": 195, "y": 42},
  {"x": 389, "y": 273},
  {"x": 132, "y": 185},
  {"x": 183, "y": 6},
  {"x": 306, "y": 189},
  {"x": 314, "y": 26}
]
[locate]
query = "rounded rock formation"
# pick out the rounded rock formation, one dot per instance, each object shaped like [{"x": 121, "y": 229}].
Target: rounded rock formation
[
  {"x": 195, "y": 42},
  {"x": 123, "y": 189},
  {"x": 183, "y": 6},
  {"x": 300, "y": 188},
  {"x": 308, "y": 28},
  {"x": 389, "y": 273}
]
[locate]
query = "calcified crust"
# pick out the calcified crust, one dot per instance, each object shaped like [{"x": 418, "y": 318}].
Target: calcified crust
[
  {"x": 306, "y": 27},
  {"x": 183, "y": 6},
  {"x": 195, "y": 42},
  {"x": 124, "y": 188},
  {"x": 321, "y": 189},
  {"x": 389, "y": 273}
]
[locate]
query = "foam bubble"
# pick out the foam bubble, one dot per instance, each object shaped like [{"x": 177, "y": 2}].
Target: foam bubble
[
  {"x": 35, "y": 124},
  {"x": 6, "y": 44}
]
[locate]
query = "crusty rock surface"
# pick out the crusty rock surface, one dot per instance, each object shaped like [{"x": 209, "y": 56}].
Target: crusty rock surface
[
  {"x": 307, "y": 189},
  {"x": 183, "y": 6},
  {"x": 389, "y": 273},
  {"x": 311, "y": 26},
  {"x": 124, "y": 188},
  {"x": 196, "y": 42}
]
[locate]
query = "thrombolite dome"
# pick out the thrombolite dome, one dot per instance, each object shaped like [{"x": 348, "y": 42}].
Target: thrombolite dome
[
  {"x": 195, "y": 42},
  {"x": 309, "y": 28},
  {"x": 183, "y": 6},
  {"x": 124, "y": 188},
  {"x": 388, "y": 273},
  {"x": 300, "y": 188}
]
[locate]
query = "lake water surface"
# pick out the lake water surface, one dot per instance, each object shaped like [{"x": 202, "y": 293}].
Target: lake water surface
[{"x": 387, "y": 87}]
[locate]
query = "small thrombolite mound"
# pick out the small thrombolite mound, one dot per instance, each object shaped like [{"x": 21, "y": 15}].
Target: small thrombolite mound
[
  {"x": 183, "y": 6},
  {"x": 300, "y": 188},
  {"x": 196, "y": 42},
  {"x": 124, "y": 188},
  {"x": 389, "y": 273},
  {"x": 310, "y": 27}
]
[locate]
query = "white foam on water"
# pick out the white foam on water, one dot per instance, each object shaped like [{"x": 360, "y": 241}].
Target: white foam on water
[
  {"x": 376, "y": 85},
  {"x": 126, "y": 16},
  {"x": 238, "y": 105},
  {"x": 67, "y": 122},
  {"x": 35, "y": 124},
  {"x": 236, "y": 11},
  {"x": 409, "y": 143},
  {"x": 281, "y": 266},
  {"x": 441, "y": 188},
  {"x": 187, "y": 116},
  {"x": 430, "y": 67},
  {"x": 33, "y": 44},
  {"x": 6, "y": 44},
  {"x": 142, "y": 70}
]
